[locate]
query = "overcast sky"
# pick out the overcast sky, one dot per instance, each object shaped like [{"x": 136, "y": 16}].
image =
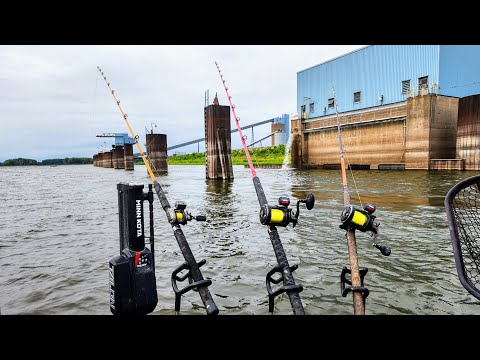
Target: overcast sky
[{"x": 53, "y": 101}]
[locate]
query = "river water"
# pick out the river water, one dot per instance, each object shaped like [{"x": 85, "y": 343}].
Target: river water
[{"x": 59, "y": 229}]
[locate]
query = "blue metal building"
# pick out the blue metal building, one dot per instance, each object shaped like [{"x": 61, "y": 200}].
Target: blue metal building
[
  {"x": 282, "y": 138},
  {"x": 386, "y": 74}
]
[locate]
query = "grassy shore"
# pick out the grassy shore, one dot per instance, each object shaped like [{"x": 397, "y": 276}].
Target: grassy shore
[{"x": 272, "y": 155}]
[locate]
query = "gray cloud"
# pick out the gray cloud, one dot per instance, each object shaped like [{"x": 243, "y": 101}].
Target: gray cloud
[{"x": 53, "y": 102}]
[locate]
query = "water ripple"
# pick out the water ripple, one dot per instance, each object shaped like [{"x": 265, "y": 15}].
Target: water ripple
[{"x": 56, "y": 240}]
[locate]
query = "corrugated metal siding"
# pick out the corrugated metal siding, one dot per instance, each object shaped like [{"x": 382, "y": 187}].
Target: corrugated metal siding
[
  {"x": 374, "y": 71},
  {"x": 459, "y": 70}
]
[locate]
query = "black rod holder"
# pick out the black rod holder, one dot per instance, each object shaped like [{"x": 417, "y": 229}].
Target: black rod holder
[
  {"x": 194, "y": 268},
  {"x": 289, "y": 285}
]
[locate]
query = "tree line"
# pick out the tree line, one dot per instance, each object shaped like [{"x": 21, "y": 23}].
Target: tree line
[{"x": 65, "y": 161}]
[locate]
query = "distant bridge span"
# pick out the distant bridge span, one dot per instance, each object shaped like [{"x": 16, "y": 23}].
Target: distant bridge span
[
  {"x": 235, "y": 130},
  {"x": 137, "y": 155}
]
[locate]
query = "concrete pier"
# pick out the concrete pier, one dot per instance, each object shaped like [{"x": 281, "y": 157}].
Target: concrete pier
[
  {"x": 218, "y": 148},
  {"x": 108, "y": 163},
  {"x": 296, "y": 150},
  {"x": 114, "y": 157},
  {"x": 128, "y": 157},
  {"x": 157, "y": 152},
  {"x": 431, "y": 130},
  {"x": 419, "y": 133},
  {"x": 468, "y": 132},
  {"x": 118, "y": 158}
]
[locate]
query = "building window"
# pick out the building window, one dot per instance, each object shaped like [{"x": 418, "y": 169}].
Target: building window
[
  {"x": 302, "y": 111},
  {"x": 356, "y": 97},
  {"x": 312, "y": 107},
  {"x": 422, "y": 84},
  {"x": 405, "y": 86},
  {"x": 331, "y": 103}
]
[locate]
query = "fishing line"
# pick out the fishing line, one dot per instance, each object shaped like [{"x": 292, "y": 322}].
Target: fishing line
[
  {"x": 95, "y": 97},
  {"x": 272, "y": 216},
  {"x": 356, "y": 281},
  {"x": 354, "y": 218},
  {"x": 353, "y": 178},
  {"x": 176, "y": 216}
]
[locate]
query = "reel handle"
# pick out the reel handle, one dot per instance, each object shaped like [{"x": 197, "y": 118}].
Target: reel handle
[
  {"x": 384, "y": 248},
  {"x": 200, "y": 218},
  {"x": 309, "y": 201}
]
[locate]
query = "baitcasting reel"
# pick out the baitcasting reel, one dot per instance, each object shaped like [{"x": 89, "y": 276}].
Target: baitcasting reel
[
  {"x": 180, "y": 216},
  {"x": 363, "y": 220},
  {"x": 281, "y": 215}
]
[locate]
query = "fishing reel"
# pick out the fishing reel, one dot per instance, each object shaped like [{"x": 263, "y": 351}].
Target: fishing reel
[
  {"x": 180, "y": 216},
  {"x": 363, "y": 220},
  {"x": 281, "y": 215}
]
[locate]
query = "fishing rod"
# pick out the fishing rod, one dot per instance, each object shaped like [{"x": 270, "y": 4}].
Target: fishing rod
[
  {"x": 272, "y": 216},
  {"x": 352, "y": 218},
  {"x": 176, "y": 217}
]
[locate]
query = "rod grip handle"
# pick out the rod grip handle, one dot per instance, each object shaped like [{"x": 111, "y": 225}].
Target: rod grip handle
[
  {"x": 207, "y": 299},
  {"x": 212, "y": 308}
]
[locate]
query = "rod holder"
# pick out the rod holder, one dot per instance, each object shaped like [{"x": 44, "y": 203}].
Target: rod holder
[
  {"x": 192, "y": 285},
  {"x": 274, "y": 293}
]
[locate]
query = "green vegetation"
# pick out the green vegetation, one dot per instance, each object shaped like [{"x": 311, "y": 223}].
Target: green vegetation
[
  {"x": 52, "y": 162},
  {"x": 272, "y": 155},
  {"x": 19, "y": 162},
  {"x": 66, "y": 161},
  {"x": 187, "y": 159}
]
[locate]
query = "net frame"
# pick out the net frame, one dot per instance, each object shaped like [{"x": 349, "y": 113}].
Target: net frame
[{"x": 462, "y": 205}]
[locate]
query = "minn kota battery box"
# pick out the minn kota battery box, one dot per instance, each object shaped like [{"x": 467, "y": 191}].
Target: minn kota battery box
[{"x": 133, "y": 288}]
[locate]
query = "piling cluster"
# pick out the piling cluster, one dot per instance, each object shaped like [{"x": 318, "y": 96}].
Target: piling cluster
[{"x": 120, "y": 157}]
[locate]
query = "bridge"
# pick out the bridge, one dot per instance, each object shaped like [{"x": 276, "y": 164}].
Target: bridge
[
  {"x": 137, "y": 156},
  {"x": 235, "y": 130}
]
